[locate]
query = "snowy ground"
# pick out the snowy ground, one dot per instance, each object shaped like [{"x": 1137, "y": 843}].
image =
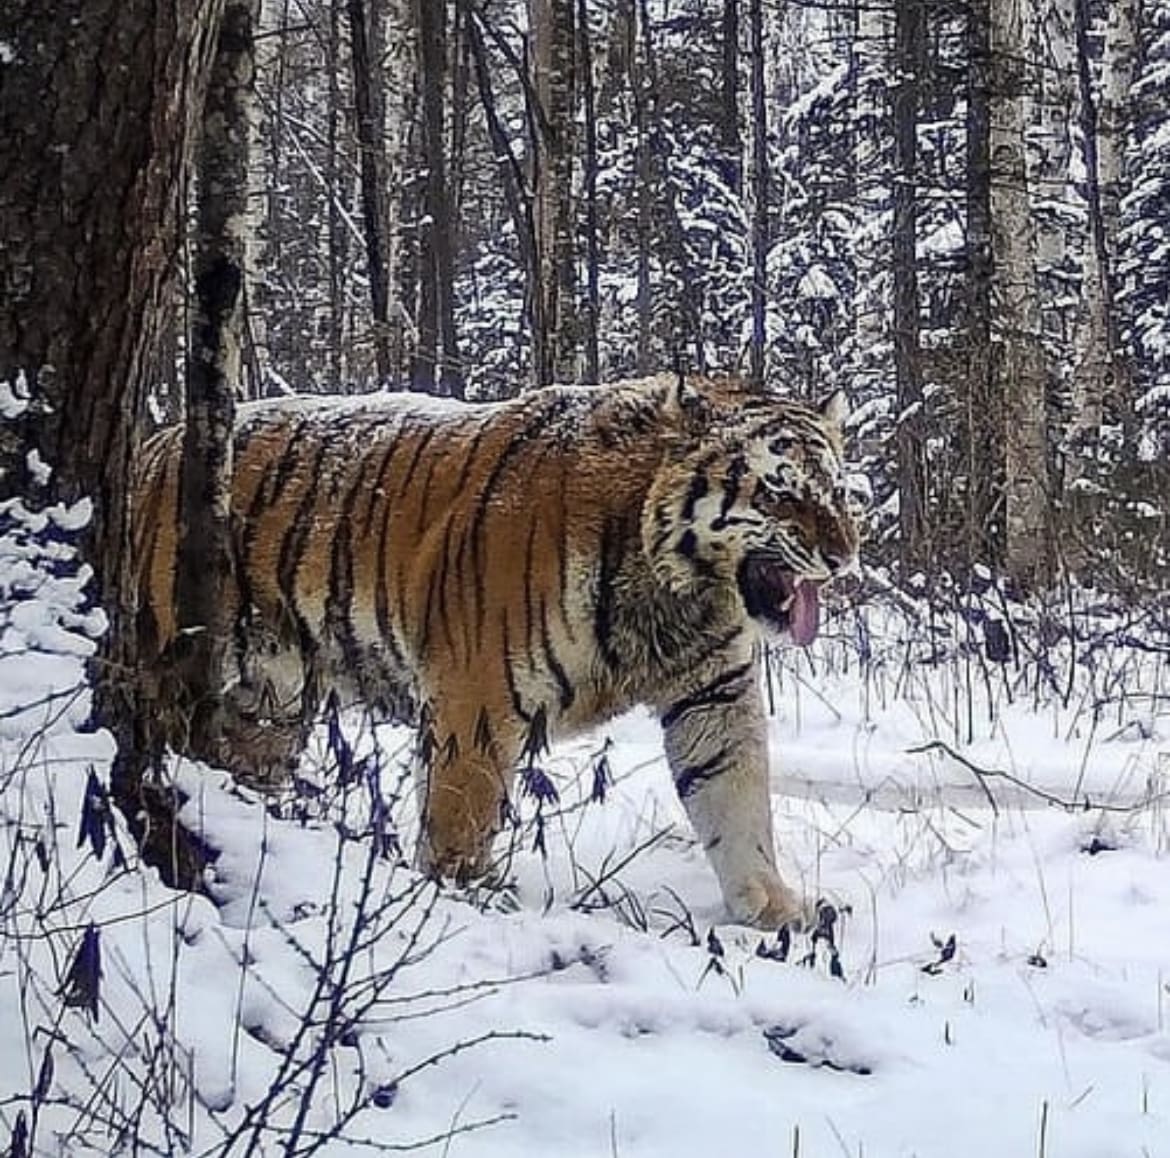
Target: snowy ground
[{"x": 586, "y": 1009}]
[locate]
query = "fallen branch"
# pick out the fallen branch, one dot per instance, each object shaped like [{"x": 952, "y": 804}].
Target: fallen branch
[{"x": 983, "y": 775}]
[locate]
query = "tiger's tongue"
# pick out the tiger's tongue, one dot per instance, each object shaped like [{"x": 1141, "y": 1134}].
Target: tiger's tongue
[{"x": 804, "y": 614}]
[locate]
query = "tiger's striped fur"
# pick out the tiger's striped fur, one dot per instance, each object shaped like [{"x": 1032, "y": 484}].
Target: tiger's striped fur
[{"x": 544, "y": 562}]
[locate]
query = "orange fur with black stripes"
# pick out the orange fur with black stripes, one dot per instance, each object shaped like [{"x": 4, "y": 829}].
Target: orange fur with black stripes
[{"x": 540, "y": 564}]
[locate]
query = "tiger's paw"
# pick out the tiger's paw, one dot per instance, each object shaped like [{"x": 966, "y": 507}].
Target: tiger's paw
[
  {"x": 455, "y": 863},
  {"x": 765, "y": 901}
]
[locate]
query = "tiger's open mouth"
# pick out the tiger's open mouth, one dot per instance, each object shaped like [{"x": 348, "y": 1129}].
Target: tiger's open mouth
[{"x": 779, "y": 597}]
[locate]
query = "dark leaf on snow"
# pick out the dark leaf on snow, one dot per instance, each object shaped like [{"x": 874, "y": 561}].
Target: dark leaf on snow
[
  {"x": 782, "y": 1041},
  {"x": 83, "y": 982},
  {"x": 537, "y": 784},
  {"x": 95, "y": 816},
  {"x": 18, "y": 1147},
  {"x": 602, "y": 779}
]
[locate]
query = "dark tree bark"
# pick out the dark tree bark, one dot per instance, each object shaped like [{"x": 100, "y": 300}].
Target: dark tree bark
[
  {"x": 98, "y": 108},
  {"x": 214, "y": 378},
  {"x": 639, "y": 63},
  {"x": 460, "y": 63},
  {"x": 437, "y": 366},
  {"x": 592, "y": 311},
  {"x": 909, "y": 49},
  {"x": 729, "y": 97},
  {"x": 366, "y": 27},
  {"x": 983, "y": 462},
  {"x": 759, "y": 195},
  {"x": 334, "y": 194}
]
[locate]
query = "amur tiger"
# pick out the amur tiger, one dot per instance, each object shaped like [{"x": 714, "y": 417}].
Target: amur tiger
[{"x": 549, "y": 562}]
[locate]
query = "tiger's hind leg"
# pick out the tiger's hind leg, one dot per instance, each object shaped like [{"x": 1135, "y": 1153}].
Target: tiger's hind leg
[{"x": 466, "y": 766}]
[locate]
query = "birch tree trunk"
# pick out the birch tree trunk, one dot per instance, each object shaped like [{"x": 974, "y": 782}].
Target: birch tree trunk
[
  {"x": 1119, "y": 74},
  {"x": 1019, "y": 363},
  {"x": 1052, "y": 109},
  {"x": 91, "y": 203},
  {"x": 214, "y": 380},
  {"x": 1100, "y": 375},
  {"x": 401, "y": 85},
  {"x": 553, "y": 41}
]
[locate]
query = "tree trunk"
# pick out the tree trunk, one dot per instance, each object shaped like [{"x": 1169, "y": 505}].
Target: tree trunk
[
  {"x": 760, "y": 236},
  {"x": 868, "y": 181},
  {"x": 91, "y": 201},
  {"x": 401, "y": 89},
  {"x": 592, "y": 311},
  {"x": 367, "y": 34},
  {"x": 982, "y": 439},
  {"x": 729, "y": 137},
  {"x": 639, "y": 65},
  {"x": 1100, "y": 375},
  {"x": 1020, "y": 365},
  {"x": 1052, "y": 103},
  {"x": 272, "y": 52},
  {"x": 554, "y": 40},
  {"x": 334, "y": 196},
  {"x": 437, "y": 367},
  {"x": 214, "y": 379},
  {"x": 909, "y": 54}
]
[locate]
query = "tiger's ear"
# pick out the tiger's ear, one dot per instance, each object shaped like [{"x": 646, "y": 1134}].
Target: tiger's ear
[{"x": 835, "y": 408}]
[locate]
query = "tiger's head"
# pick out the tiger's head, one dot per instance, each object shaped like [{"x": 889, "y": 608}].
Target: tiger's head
[{"x": 751, "y": 498}]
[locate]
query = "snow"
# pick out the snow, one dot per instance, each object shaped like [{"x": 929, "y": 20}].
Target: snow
[
  {"x": 1153, "y": 398},
  {"x": 39, "y": 470},
  {"x": 815, "y": 283},
  {"x": 944, "y": 241},
  {"x": 585, "y": 1009},
  {"x": 13, "y": 395}
]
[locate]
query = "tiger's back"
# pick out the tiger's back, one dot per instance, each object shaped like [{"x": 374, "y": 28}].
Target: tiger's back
[{"x": 378, "y": 535}]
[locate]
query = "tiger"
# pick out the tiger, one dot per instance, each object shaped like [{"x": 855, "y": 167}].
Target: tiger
[{"x": 491, "y": 570}]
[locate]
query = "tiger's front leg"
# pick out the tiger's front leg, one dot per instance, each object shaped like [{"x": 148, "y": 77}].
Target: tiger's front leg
[
  {"x": 466, "y": 765},
  {"x": 716, "y": 745}
]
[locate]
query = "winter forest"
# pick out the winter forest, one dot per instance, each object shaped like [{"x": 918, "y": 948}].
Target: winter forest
[{"x": 954, "y": 212}]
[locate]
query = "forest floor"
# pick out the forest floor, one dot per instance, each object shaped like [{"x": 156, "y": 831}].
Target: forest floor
[{"x": 995, "y": 836}]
